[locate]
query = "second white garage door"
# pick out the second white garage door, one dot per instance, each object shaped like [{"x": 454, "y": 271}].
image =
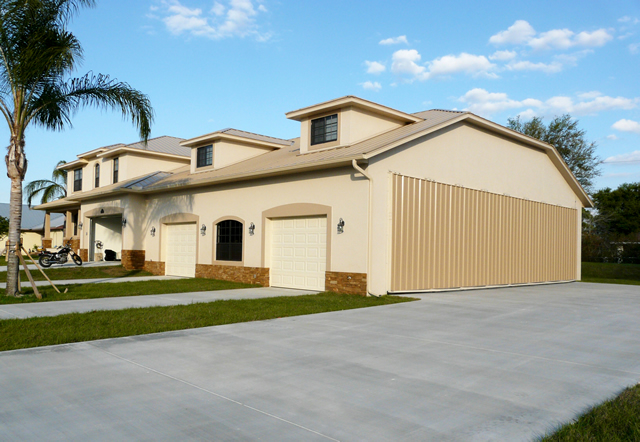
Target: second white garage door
[
  {"x": 181, "y": 250},
  {"x": 299, "y": 252}
]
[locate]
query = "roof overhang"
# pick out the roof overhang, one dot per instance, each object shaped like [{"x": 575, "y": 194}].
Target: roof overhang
[
  {"x": 73, "y": 164},
  {"x": 60, "y": 205},
  {"x": 217, "y": 136},
  {"x": 347, "y": 101}
]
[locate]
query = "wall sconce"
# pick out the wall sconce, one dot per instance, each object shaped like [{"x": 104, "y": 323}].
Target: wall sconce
[
  {"x": 124, "y": 222},
  {"x": 153, "y": 231},
  {"x": 203, "y": 230},
  {"x": 341, "y": 226},
  {"x": 252, "y": 229},
  {"x": 80, "y": 226}
]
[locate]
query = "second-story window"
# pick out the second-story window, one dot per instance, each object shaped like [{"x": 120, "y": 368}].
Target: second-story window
[
  {"x": 324, "y": 129},
  {"x": 97, "y": 176},
  {"x": 116, "y": 167},
  {"x": 205, "y": 156},
  {"x": 77, "y": 180}
]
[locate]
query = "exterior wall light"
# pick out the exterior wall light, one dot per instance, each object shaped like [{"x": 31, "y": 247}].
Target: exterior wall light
[
  {"x": 203, "y": 230},
  {"x": 153, "y": 231},
  {"x": 252, "y": 229},
  {"x": 341, "y": 226},
  {"x": 80, "y": 226},
  {"x": 124, "y": 222}
]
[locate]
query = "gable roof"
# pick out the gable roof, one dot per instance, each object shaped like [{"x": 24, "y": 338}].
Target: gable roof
[
  {"x": 238, "y": 135},
  {"x": 163, "y": 145},
  {"x": 288, "y": 159}
]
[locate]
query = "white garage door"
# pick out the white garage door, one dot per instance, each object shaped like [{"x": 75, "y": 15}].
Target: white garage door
[
  {"x": 181, "y": 250},
  {"x": 299, "y": 252}
]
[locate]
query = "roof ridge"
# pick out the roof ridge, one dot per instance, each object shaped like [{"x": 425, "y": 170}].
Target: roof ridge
[{"x": 252, "y": 133}]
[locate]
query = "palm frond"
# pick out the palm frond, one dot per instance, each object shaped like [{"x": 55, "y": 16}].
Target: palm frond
[{"x": 58, "y": 102}]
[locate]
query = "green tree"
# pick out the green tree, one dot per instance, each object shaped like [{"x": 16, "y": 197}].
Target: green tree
[
  {"x": 4, "y": 226},
  {"x": 38, "y": 54},
  {"x": 569, "y": 140},
  {"x": 48, "y": 190},
  {"x": 619, "y": 210}
]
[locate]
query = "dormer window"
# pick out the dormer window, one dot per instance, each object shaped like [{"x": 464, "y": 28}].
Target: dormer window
[
  {"x": 97, "y": 176},
  {"x": 205, "y": 156},
  {"x": 77, "y": 180},
  {"x": 324, "y": 130}
]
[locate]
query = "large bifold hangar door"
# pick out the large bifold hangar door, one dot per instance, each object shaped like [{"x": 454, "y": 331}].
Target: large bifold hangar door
[{"x": 446, "y": 236}]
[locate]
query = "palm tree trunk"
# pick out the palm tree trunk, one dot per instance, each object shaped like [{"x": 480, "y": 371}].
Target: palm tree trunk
[
  {"x": 16, "y": 169},
  {"x": 15, "y": 220}
]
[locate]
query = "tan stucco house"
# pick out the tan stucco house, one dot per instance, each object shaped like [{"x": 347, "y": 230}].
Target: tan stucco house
[{"x": 367, "y": 199}]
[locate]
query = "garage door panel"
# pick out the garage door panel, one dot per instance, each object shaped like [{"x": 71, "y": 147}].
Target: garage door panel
[
  {"x": 181, "y": 250},
  {"x": 298, "y": 252},
  {"x": 448, "y": 236}
]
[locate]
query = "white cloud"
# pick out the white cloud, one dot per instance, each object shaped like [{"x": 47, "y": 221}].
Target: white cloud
[
  {"x": 554, "y": 39},
  {"x": 593, "y": 39},
  {"x": 502, "y": 55},
  {"x": 634, "y": 48},
  {"x": 372, "y": 86},
  {"x": 218, "y": 8},
  {"x": 589, "y": 95},
  {"x": 549, "y": 68},
  {"x": 627, "y": 126},
  {"x": 520, "y": 32},
  {"x": 237, "y": 19},
  {"x": 467, "y": 63},
  {"x": 404, "y": 62},
  {"x": 481, "y": 102},
  {"x": 395, "y": 40},
  {"x": 625, "y": 157},
  {"x": 612, "y": 137},
  {"x": 262, "y": 8},
  {"x": 486, "y": 103},
  {"x": 373, "y": 67},
  {"x": 627, "y": 19}
]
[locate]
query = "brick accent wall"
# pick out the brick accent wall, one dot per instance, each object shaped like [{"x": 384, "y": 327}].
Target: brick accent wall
[
  {"x": 133, "y": 259},
  {"x": 155, "y": 267},
  {"x": 343, "y": 282},
  {"x": 84, "y": 255},
  {"x": 248, "y": 275},
  {"x": 46, "y": 243},
  {"x": 75, "y": 243}
]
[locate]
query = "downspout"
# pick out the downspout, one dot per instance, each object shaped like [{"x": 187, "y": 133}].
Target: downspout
[{"x": 354, "y": 163}]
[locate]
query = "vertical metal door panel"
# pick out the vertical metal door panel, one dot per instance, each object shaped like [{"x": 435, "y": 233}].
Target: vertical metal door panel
[{"x": 446, "y": 236}]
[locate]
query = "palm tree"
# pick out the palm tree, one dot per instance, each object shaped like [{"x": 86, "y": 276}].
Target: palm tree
[
  {"x": 37, "y": 56},
  {"x": 48, "y": 190}
]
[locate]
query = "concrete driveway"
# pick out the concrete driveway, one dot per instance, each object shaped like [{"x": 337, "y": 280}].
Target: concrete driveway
[{"x": 504, "y": 364}]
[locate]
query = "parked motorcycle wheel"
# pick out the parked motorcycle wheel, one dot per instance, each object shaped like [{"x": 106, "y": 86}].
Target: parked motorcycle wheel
[
  {"x": 45, "y": 261},
  {"x": 77, "y": 260}
]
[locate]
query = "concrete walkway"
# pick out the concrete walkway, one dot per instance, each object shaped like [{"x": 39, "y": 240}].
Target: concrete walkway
[
  {"x": 500, "y": 365},
  {"x": 66, "y": 265},
  {"x": 96, "y": 280},
  {"x": 54, "y": 308}
]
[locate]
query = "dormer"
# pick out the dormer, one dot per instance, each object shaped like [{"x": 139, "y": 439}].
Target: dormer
[
  {"x": 119, "y": 162},
  {"x": 229, "y": 146},
  {"x": 345, "y": 121}
]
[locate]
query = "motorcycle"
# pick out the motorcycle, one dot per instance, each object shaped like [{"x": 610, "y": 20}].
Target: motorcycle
[{"x": 58, "y": 257}]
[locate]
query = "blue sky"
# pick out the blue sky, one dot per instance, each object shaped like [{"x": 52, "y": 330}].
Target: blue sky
[{"x": 208, "y": 65}]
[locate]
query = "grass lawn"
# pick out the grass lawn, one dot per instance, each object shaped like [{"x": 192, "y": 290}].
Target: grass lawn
[
  {"x": 611, "y": 273},
  {"x": 112, "y": 290},
  {"x": 614, "y": 420},
  {"x": 79, "y": 272},
  {"x": 77, "y": 327}
]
